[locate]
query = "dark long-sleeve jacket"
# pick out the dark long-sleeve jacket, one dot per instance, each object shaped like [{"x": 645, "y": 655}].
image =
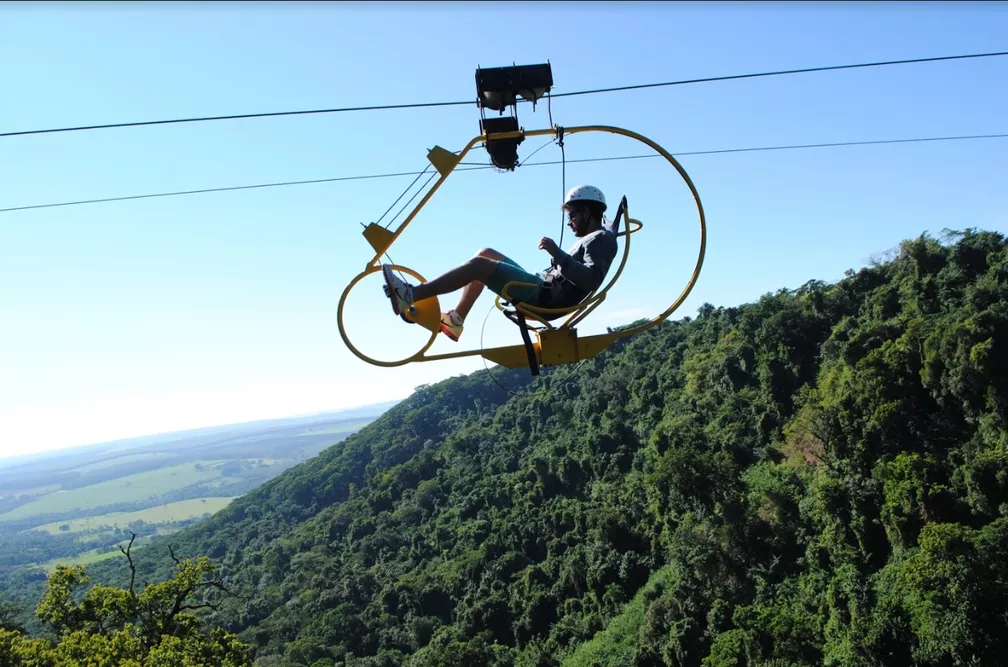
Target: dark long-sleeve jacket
[{"x": 581, "y": 269}]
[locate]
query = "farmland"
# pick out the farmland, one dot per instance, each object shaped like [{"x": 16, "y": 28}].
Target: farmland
[
  {"x": 170, "y": 513},
  {"x": 129, "y": 489},
  {"x": 78, "y": 505}
]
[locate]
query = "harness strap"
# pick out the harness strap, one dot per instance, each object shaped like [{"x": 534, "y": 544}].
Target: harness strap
[
  {"x": 529, "y": 350},
  {"x": 518, "y": 318}
]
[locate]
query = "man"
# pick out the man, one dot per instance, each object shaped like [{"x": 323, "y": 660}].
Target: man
[{"x": 572, "y": 276}]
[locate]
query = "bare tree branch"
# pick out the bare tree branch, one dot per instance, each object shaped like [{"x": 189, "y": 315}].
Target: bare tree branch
[
  {"x": 203, "y": 605},
  {"x": 130, "y": 559}
]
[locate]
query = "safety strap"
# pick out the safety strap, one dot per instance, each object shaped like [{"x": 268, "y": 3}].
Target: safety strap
[{"x": 518, "y": 318}]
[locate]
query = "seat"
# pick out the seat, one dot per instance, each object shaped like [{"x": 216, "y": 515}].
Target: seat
[{"x": 519, "y": 311}]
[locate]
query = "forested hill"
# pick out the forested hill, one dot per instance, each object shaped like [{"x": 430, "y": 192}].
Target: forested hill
[{"x": 815, "y": 478}]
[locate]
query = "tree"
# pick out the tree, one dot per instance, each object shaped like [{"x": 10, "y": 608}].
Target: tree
[{"x": 119, "y": 628}]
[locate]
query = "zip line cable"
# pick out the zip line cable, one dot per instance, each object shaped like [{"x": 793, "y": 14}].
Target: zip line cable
[
  {"x": 479, "y": 166},
  {"x": 419, "y": 105},
  {"x": 805, "y": 70},
  {"x": 221, "y": 189},
  {"x": 720, "y": 151}
]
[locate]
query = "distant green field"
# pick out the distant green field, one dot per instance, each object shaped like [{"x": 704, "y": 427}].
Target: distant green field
[
  {"x": 340, "y": 428},
  {"x": 180, "y": 511},
  {"x": 92, "y": 556},
  {"x": 125, "y": 458},
  {"x": 37, "y": 490},
  {"x": 222, "y": 481},
  {"x": 82, "y": 559},
  {"x": 132, "y": 488}
]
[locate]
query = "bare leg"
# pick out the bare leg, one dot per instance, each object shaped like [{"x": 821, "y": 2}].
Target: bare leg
[
  {"x": 472, "y": 291},
  {"x": 471, "y": 277},
  {"x": 476, "y": 269}
]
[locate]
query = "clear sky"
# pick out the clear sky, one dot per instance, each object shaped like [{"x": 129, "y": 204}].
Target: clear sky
[{"x": 137, "y": 317}]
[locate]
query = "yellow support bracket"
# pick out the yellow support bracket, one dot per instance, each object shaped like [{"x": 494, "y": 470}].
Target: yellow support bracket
[
  {"x": 379, "y": 238},
  {"x": 558, "y": 346},
  {"x": 443, "y": 160},
  {"x": 512, "y": 356}
]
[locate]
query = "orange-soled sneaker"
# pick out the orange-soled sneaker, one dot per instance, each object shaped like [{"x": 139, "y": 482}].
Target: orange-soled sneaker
[{"x": 451, "y": 325}]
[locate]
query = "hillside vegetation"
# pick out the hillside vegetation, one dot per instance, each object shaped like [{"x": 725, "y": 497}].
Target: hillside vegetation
[{"x": 820, "y": 477}]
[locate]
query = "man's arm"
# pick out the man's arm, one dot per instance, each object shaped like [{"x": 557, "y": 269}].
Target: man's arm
[{"x": 588, "y": 273}]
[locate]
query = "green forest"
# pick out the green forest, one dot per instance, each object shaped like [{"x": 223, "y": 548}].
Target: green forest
[{"x": 816, "y": 478}]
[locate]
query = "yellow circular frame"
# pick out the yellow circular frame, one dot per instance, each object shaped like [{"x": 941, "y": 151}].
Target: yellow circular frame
[{"x": 555, "y": 345}]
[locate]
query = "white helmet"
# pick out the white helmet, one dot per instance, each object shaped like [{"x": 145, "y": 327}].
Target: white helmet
[{"x": 585, "y": 193}]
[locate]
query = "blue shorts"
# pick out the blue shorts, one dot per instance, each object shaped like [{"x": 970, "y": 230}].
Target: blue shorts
[{"x": 508, "y": 271}]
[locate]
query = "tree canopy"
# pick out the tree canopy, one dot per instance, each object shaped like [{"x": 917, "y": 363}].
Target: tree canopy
[{"x": 114, "y": 627}]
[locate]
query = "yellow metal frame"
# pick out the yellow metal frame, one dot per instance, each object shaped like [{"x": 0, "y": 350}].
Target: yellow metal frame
[{"x": 554, "y": 346}]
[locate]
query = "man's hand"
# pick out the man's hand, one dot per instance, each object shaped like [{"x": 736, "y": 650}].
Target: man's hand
[{"x": 549, "y": 245}]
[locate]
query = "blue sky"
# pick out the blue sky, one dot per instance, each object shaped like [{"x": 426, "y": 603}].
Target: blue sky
[{"x": 137, "y": 317}]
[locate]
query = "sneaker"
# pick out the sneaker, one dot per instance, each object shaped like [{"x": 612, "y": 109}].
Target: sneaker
[
  {"x": 451, "y": 325},
  {"x": 399, "y": 292}
]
